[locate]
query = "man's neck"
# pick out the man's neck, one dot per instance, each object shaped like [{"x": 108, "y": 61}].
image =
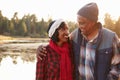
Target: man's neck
[{"x": 92, "y": 35}]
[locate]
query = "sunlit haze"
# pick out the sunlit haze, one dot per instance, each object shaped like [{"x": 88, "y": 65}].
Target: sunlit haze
[{"x": 54, "y": 9}]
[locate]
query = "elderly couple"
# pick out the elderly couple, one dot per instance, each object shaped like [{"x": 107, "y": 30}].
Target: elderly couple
[{"x": 90, "y": 52}]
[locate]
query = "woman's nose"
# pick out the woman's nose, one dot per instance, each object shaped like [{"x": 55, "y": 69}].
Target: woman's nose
[{"x": 67, "y": 32}]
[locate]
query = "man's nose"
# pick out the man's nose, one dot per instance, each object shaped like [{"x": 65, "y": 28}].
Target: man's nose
[{"x": 82, "y": 26}]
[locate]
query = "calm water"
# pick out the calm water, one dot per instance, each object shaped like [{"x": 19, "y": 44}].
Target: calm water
[
  {"x": 18, "y": 59},
  {"x": 20, "y": 71}
]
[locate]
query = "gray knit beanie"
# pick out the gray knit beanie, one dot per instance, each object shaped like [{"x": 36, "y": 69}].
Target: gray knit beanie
[{"x": 89, "y": 11}]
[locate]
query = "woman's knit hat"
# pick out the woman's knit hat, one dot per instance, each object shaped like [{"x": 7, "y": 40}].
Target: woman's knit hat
[
  {"x": 89, "y": 11},
  {"x": 55, "y": 24}
]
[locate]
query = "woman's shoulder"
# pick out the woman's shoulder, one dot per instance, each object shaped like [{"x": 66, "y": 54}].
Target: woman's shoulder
[{"x": 51, "y": 51}]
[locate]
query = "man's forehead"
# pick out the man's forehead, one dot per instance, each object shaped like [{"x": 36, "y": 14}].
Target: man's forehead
[{"x": 81, "y": 18}]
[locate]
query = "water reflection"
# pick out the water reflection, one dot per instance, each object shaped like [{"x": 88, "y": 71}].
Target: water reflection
[
  {"x": 26, "y": 49},
  {"x": 21, "y": 71},
  {"x": 18, "y": 59}
]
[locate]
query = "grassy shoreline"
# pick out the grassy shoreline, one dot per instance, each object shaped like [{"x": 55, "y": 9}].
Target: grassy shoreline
[
  {"x": 23, "y": 47},
  {"x": 3, "y": 38}
]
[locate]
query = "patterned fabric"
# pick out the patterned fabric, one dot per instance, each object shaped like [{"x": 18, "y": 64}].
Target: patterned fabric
[
  {"x": 87, "y": 59},
  {"x": 65, "y": 60},
  {"x": 107, "y": 55},
  {"x": 115, "y": 69},
  {"x": 90, "y": 62},
  {"x": 49, "y": 67},
  {"x": 57, "y": 65}
]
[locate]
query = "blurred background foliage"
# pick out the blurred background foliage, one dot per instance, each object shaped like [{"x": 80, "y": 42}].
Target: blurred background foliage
[{"x": 29, "y": 25}]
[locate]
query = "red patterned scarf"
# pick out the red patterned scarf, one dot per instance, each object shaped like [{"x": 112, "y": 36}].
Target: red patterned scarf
[{"x": 65, "y": 62}]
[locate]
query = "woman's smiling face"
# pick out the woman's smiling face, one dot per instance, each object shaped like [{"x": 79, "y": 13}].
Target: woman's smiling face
[{"x": 63, "y": 33}]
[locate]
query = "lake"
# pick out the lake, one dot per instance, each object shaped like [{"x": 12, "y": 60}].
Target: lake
[{"x": 18, "y": 59}]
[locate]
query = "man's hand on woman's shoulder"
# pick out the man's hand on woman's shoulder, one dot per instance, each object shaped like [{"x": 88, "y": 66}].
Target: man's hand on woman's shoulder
[{"x": 41, "y": 52}]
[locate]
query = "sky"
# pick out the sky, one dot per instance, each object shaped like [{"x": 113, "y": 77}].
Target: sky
[{"x": 55, "y": 9}]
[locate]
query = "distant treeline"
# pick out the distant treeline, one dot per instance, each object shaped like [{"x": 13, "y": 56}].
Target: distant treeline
[{"x": 29, "y": 25}]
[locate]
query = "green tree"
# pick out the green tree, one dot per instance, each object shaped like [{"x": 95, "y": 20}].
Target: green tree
[
  {"x": 1, "y": 22},
  {"x": 108, "y": 22},
  {"x": 72, "y": 25},
  {"x": 11, "y": 28},
  {"x": 15, "y": 21},
  {"x": 22, "y": 28},
  {"x": 117, "y": 27}
]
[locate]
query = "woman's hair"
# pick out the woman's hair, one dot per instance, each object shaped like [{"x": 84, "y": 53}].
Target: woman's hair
[{"x": 55, "y": 35}]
